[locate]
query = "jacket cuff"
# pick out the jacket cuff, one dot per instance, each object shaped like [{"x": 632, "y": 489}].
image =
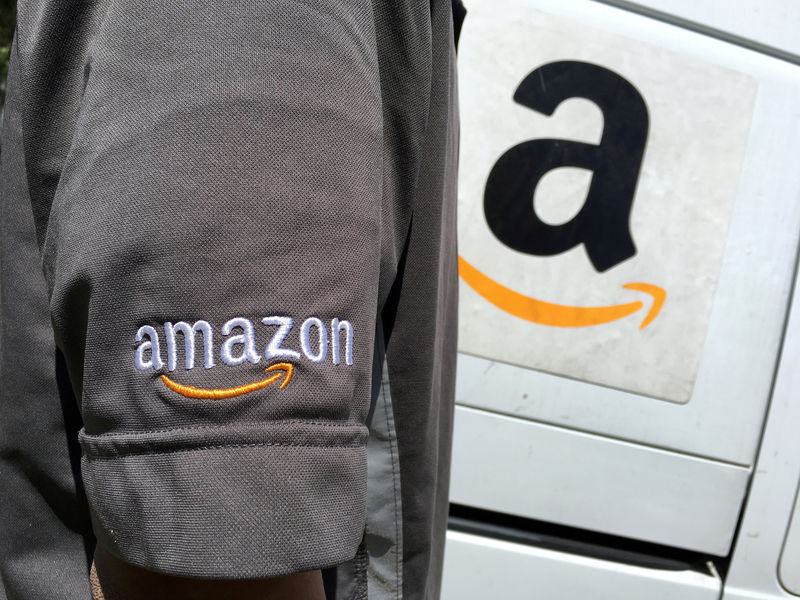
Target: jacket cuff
[{"x": 255, "y": 502}]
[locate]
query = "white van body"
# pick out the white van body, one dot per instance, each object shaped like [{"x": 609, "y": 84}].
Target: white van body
[{"x": 667, "y": 434}]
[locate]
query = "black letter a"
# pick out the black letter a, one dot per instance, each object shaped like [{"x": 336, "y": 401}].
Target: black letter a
[{"x": 602, "y": 223}]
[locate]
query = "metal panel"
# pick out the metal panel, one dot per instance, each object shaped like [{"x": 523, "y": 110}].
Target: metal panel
[
  {"x": 789, "y": 570},
  {"x": 752, "y": 291},
  {"x": 771, "y": 25},
  {"x": 479, "y": 568},
  {"x": 755, "y": 572},
  {"x": 588, "y": 481}
]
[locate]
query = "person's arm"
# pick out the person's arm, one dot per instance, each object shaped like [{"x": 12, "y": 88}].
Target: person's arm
[
  {"x": 212, "y": 247},
  {"x": 113, "y": 579}
]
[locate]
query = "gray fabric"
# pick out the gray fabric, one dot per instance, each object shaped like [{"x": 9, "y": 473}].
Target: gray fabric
[
  {"x": 45, "y": 536},
  {"x": 352, "y": 580},
  {"x": 419, "y": 309},
  {"x": 302, "y": 499},
  {"x": 384, "y": 529},
  {"x": 207, "y": 162},
  {"x": 421, "y": 350}
]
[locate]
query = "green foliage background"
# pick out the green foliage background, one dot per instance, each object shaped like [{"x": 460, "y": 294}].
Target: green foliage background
[{"x": 7, "y": 21}]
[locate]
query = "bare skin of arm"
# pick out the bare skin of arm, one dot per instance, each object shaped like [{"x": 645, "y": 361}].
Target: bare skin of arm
[{"x": 114, "y": 579}]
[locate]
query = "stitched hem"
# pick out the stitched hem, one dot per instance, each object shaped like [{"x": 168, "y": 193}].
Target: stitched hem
[
  {"x": 259, "y": 425},
  {"x": 186, "y": 439},
  {"x": 218, "y": 447}
]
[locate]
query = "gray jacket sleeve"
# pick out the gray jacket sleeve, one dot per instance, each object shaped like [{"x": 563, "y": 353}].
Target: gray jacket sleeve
[{"x": 211, "y": 245}]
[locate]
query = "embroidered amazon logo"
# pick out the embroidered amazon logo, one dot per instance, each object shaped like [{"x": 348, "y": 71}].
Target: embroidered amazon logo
[
  {"x": 238, "y": 347},
  {"x": 602, "y": 224}
]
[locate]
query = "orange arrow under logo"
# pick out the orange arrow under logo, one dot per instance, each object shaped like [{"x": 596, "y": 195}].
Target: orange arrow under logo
[
  {"x": 558, "y": 315},
  {"x": 193, "y": 392}
]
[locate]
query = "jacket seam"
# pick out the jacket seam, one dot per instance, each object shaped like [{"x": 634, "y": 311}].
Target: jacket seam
[
  {"x": 110, "y": 455},
  {"x": 241, "y": 426}
]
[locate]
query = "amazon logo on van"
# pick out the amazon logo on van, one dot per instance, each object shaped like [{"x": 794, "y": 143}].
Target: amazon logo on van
[{"x": 602, "y": 225}]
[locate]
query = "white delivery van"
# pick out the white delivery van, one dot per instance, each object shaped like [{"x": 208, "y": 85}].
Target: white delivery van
[{"x": 628, "y": 402}]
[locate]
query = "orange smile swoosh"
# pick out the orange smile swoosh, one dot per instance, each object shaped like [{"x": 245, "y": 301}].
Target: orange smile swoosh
[
  {"x": 558, "y": 315},
  {"x": 193, "y": 392}
]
